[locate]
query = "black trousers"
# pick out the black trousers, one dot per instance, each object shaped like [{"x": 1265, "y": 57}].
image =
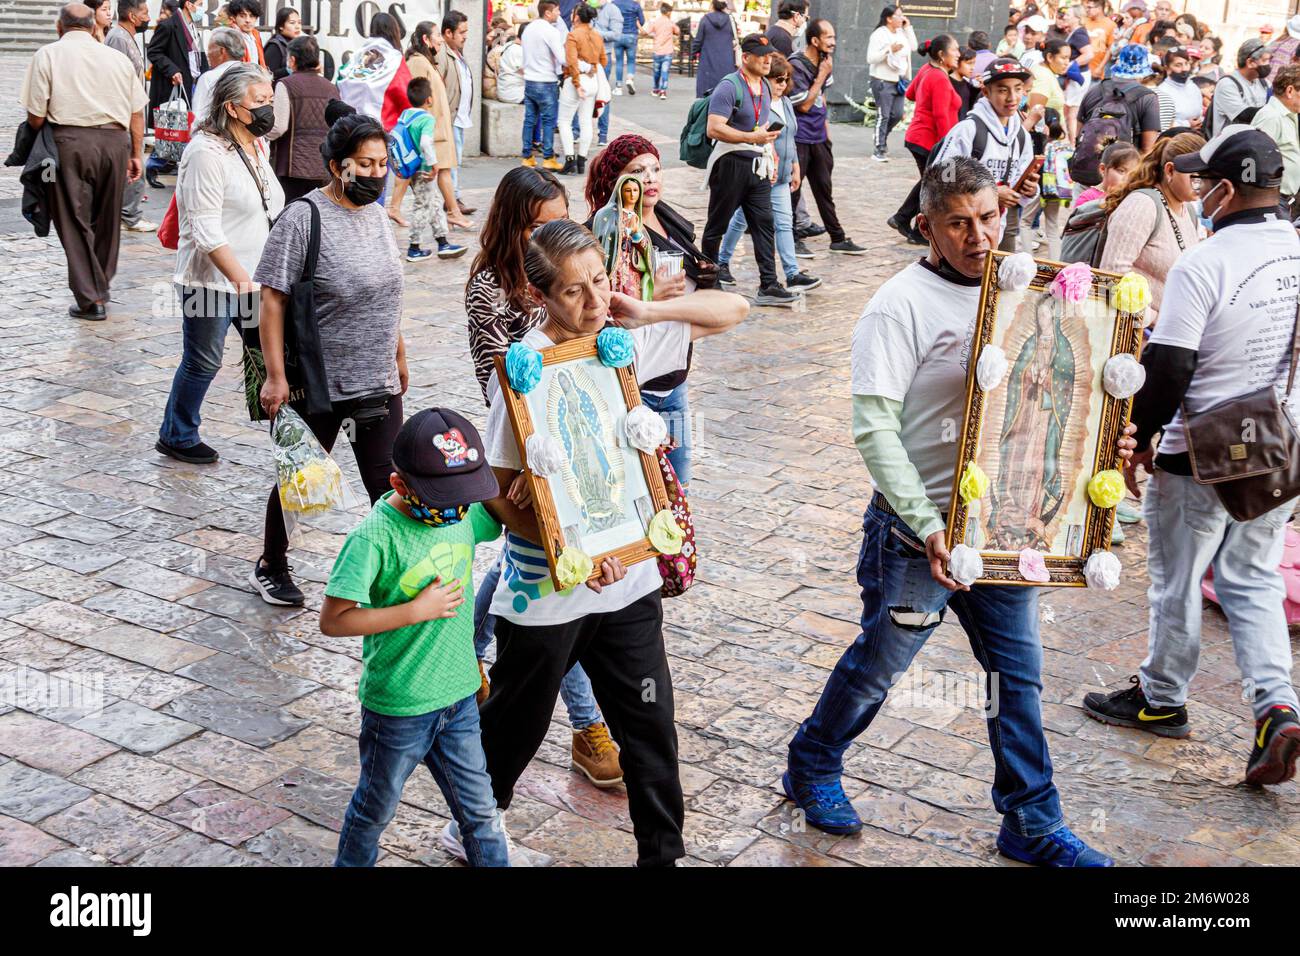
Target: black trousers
[
  {"x": 623, "y": 654},
  {"x": 87, "y": 206},
  {"x": 912, "y": 204},
  {"x": 816, "y": 163},
  {"x": 372, "y": 446},
  {"x": 732, "y": 186}
]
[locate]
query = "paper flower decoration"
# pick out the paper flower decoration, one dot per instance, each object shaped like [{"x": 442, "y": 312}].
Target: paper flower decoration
[
  {"x": 1073, "y": 282},
  {"x": 615, "y": 347},
  {"x": 1131, "y": 293},
  {"x": 1033, "y": 567},
  {"x": 572, "y": 567},
  {"x": 1106, "y": 488},
  {"x": 664, "y": 533},
  {"x": 1123, "y": 375},
  {"x": 991, "y": 367},
  {"x": 965, "y": 565},
  {"x": 313, "y": 488},
  {"x": 523, "y": 367},
  {"x": 1016, "y": 272},
  {"x": 545, "y": 455},
  {"x": 974, "y": 483},
  {"x": 1102, "y": 570},
  {"x": 646, "y": 429}
]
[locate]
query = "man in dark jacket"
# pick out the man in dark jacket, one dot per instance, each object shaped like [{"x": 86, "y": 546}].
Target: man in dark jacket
[{"x": 177, "y": 55}]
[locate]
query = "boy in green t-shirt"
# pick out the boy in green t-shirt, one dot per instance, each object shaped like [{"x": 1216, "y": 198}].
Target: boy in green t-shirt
[{"x": 400, "y": 581}]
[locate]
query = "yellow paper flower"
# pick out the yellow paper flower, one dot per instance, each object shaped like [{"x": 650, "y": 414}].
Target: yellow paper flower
[
  {"x": 665, "y": 534},
  {"x": 572, "y": 568},
  {"x": 1106, "y": 488},
  {"x": 974, "y": 483},
  {"x": 315, "y": 487},
  {"x": 1132, "y": 293}
]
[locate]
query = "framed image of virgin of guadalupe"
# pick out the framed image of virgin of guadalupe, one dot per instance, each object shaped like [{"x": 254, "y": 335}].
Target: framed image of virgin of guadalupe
[
  {"x": 1050, "y": 382},
  {"x": 588, "y": 447}
]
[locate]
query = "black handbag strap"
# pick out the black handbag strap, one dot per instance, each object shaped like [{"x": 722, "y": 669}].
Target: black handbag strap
[
  {"x": 262, "y": 186},
  {"x": 313, "y": 240}
]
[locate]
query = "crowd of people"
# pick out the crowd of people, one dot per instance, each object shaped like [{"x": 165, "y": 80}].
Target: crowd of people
[{"x": 1079, "y": 134}]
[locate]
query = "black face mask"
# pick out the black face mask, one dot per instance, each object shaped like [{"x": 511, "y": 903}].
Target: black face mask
[
  {"x": 1263, "y": 71},
  {"x": 263, "y": 119},
  {"x": 364, "y": 190},
  {"x": 1180, "y": 76}
]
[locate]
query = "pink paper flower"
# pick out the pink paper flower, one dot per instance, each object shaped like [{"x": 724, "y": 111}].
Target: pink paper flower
[
  {"x": 1073, "y": 282},
  {"x": 1033, "y": 567}
]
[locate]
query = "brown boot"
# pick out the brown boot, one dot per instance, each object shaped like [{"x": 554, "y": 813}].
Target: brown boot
[
  {"x": 595, "y": 755},
  {"x": 482, "y": 693}
]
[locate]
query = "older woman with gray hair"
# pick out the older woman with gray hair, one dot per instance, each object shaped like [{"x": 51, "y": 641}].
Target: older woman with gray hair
[
  {"x": 226, "y": 198},
  {"x": 225, "y": 49}
]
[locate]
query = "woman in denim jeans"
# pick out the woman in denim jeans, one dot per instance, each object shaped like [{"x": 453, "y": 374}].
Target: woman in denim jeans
[
  {"x": 671, "y": 233},
  {"x": 787, "y": 180}
]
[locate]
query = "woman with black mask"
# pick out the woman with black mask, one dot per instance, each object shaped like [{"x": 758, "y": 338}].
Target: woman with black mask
[{"x": 358, "y": 312}]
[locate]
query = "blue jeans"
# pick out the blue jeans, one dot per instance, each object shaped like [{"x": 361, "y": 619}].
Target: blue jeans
[
  {"x": 575, "y": 690},
  {"x": 901, "y": 607},
  {"x": 675, "y": 408},
  {"x": 783, "y": 220},
  {"x": 661, "y": 64},
  {"x": 541, "y": 102},
  {"x": 625, "y": 55},
  {"x": 447, "y": 742},
  {"x": 206, "y": 315},
  {"x": 457, "y": 137}
]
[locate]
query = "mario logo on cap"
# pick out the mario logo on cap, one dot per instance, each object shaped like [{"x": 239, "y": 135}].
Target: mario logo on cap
[{"x": 454, "y": 450}]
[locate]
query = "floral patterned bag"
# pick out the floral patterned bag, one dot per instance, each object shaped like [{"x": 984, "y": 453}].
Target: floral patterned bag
[{"x": 677, "y": 570}]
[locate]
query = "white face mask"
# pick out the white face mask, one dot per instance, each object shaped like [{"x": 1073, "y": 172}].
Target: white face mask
[{"x": 1205, "y": 212}]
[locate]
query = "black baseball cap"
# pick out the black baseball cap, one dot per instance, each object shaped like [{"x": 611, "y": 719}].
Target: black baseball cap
[
  {"x": 440, "y": 455},
  {"x": 756, "y": 45},
  {"x": 1240, "y": 154},
  {"x": 1004, "y": 67}
]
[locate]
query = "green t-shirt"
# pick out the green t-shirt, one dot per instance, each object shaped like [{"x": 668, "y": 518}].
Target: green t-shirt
[{"x": 387, "y": 560}]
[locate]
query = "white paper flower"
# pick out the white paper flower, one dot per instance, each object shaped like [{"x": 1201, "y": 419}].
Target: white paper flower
[
  {"x": 991, "y": 367},
  {"x": 1102, "y": 570},
  {"x": 545, "y": 455},
  {"x": 1123, "y": 375},
  {"x": 965, "y": 565},
  {"x": 645, "y": 429},
  {"x": 1016, "y": 272}
]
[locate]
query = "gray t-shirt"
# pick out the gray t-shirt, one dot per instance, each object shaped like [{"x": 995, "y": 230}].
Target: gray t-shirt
[{"x": 358, "y": 290}]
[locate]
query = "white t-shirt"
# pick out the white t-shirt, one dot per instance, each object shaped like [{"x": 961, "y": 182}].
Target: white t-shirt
[
  {"x": 525, "y": 593},
  {"x": 911, "y": 346},
  {"x": 1236, "y": 308},
  {"x": 1186, "y": 98}
]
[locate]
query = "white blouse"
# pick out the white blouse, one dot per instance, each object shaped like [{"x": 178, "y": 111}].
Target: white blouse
[{"x": 218, "y": 203}]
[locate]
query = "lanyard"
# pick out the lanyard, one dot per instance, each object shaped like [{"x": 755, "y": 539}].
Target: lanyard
[{"x": 756, "y": 102}]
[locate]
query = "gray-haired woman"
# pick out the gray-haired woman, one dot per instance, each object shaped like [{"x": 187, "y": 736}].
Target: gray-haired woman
[{"x": 226, "y": 197}]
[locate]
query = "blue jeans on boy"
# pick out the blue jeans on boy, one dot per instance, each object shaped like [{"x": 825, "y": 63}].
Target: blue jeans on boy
[
  {"x": 661, "y": 63},
  {"x": 625, "y": 55},
  {"x": 783, "y": 234},
  {"x": 447, "y": 742},
  {"x": 575, "y": 690},
  {"x": 901, "y": 606},
  {"x": 675, "y": 408},
  {"x": 206, "y": 315},
  {"x": 541, "y": 103}
]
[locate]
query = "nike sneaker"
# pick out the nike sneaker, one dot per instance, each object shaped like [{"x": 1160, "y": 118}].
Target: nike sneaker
[
  {"x": 1277, "y": 744},
  {"x": 1130, "y": 708}
]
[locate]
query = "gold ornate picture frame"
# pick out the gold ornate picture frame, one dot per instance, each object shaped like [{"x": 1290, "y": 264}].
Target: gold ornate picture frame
[
  {"x": 1034, "y": 442},
  {"x": 602, "y": 499}
]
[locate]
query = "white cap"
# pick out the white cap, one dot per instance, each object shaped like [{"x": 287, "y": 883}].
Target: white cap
[
  {"x": 1039, "y": 24},
  {"x": 1293, "y": 27}
]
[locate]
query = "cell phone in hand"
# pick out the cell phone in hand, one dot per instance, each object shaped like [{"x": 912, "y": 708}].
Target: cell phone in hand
[
  {"x": 1033, "y": 169},
  {"x": 775, "y": 126}
]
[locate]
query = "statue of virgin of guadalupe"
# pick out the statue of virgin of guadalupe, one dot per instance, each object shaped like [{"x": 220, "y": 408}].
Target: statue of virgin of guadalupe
[{"x": 629, "y": 255}]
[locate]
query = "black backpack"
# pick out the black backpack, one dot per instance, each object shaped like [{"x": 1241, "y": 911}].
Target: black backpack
[
  {"x": 1207, "y": 127},
  {"x": 1109, "y": 122},
  {"x": 981, "y": 142}
]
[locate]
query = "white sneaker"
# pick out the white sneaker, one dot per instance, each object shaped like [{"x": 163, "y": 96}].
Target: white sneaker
[
  {"x": 631, "y": 86},
  {"x": 450, "y": 841},
  {"x": 879, "y": 158},
  {"x": 618, "y": 91},
  {"x": 141, "y": 225}
]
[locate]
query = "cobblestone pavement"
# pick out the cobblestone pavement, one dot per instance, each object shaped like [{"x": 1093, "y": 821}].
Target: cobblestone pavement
[{"x": 225, "y": 731}]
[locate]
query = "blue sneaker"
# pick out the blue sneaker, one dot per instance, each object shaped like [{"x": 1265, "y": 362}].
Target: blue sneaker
[
  {"x": 416, "y": 254},
  {"x": 825, "y": 805},
  {"x": 1059, "y": 848},
  {"x": 449, "y": 250}
]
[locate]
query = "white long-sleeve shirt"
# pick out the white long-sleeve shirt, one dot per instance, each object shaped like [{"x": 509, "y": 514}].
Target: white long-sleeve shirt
[
  {"x": 219, "y": 204},
  {"x": 884, "y": 63},
  {"x": 543, "y": 53}
]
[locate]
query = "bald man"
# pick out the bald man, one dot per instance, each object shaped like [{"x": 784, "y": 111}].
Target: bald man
[{"x": 90, "y": 96}]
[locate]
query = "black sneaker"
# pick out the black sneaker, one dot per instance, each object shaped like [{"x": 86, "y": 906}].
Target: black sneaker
[
  {"x": 802, "y": 282},
  {"x": 275, "y": 585},
  {"x": 198, "y": 454},
  {"x": 724, "y": 275},
  {"x": 908, "y": 232},
  {"x": 809, "y": 232},
  {"x": 1277, "y": 744},
  {"x": 801, "y": 250},
  {"x": 775, "y": 295},
  {"x": 1129, "y": 708},
  {"x": 847, "y": 247}
]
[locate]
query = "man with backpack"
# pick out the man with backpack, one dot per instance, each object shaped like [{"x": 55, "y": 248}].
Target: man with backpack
[
  {"x": 742, "y": 164},
  {"x": 993, "y": 135},
  {"x": 1237, "y": 92},
  {"x": 1119, "y": 109}
]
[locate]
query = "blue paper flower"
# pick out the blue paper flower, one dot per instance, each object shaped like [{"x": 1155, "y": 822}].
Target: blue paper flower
[
  {"x": 523, "y": 367},
  {"x": 615, "y": 347}
]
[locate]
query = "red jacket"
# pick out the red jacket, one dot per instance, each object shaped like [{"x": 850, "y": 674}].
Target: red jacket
[{"x": 937, "y": 104}]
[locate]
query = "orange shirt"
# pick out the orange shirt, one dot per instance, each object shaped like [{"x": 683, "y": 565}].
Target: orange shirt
[
  {"x": 663, "y": 30},
  {"x": 1102, "y": 34}
]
